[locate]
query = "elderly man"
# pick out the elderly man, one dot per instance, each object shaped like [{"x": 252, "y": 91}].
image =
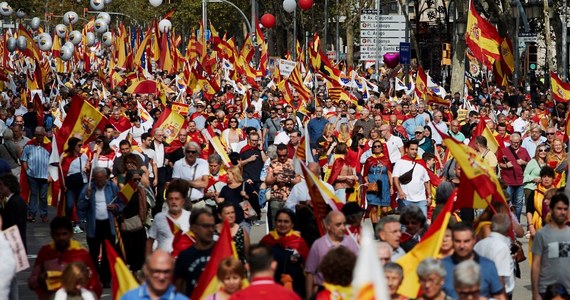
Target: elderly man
[
  {"x": 454, "y": 131},
  {"x": 395, "y": 144},
  {"x": 195, "y": 170},
  {"x": 439, "y": 125},
  {"x": 413, "y": 121},
  {"x": 531, "y": 142},
  {"x": 158, "y": 271},
  {"x": 163, "y": 170},
  {"x": 366, "y": 121},
  {"x": 335, "y": 237},
  {"x": 100, "y": 203},
  {"x": 389, "y": 230},
  {"x": 512, "y": 160},
  {"x": 35, "y": 160}
]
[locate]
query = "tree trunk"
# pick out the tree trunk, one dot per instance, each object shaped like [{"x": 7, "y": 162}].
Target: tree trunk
[
  {"x": 349, "y": 46},
  {"x": 458, "y": 67}
]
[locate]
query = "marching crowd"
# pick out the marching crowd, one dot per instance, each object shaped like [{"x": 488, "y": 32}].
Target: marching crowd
[{"x": 383, "y": 159}]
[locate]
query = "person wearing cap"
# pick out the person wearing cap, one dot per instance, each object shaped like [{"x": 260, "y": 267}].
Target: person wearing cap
[{"x": 250, "y": 121}]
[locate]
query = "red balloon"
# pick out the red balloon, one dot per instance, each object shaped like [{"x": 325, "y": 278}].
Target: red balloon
[
  {"x": 268, "y": 20},
  {"x": 305, "y": 4}
]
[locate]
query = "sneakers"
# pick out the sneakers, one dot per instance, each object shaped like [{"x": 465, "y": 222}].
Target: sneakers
[{"x": 77, "y": 229}]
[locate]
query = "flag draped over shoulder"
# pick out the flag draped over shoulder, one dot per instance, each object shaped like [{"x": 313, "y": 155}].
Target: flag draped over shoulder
[
  {"x": 428, "y": 247},
  {"x": 479, "y": 184},
  {"x": 368, "y": 281},
  {"x": 208, "y": 282},
  {"x": 84, "y": 121},
  {"x": 482, "y": 38},
  {"x": 560, "y": 89},
  {"x": 122, "y": 279}
]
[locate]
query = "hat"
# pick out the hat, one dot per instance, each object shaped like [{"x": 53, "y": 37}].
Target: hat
[
  {"x": 419, "y": 129},
  {"x": 198, "y": 102},
  {"x": 351, "y": 111},
  {"x": 351, "y": 208}
]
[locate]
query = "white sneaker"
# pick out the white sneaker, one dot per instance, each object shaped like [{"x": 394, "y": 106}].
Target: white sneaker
[{"x": 77, "y": 229}]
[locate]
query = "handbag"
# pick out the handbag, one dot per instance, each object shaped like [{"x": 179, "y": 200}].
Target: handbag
[
  {"x": 248, "y": 211},
  {"x": 372, "y": 188},
  {"x": 132, "y": 224},
  {"x": 407, "y": 177}
]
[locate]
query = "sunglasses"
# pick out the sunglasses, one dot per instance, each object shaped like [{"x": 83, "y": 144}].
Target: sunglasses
[
  {"x": 541, "y": 150},
  {"x": 191, "y": 151},
  {"x": 377, "y": 146},
  {"x": 551, "y": 133}
]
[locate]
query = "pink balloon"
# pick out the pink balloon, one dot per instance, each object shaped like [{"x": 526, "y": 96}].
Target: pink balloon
[{"x": 392, "y": 59}]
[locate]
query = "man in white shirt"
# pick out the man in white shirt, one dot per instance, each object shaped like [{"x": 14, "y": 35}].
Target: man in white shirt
[
  {"x": 160, "y": 229},
  {"x": 521, "y": 123},
  {"x": 531, "y": 142},
  {"x": 195, "y": 170},
  {"x": 497, "y": 247},
  {"x": 394, "y": 143},
  {"x": 440, "y": 125},
  {"x": 417, "y": 190}
]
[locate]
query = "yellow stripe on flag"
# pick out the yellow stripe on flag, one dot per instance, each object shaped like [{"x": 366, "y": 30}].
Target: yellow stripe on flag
[{"x": 121, "y": 277}]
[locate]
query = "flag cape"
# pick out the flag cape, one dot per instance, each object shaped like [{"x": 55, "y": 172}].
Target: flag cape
[
  {"x": 208, "y": 282},
  {"x": 560, "y": 89},
  {"x": 217, "y": 144},
  {"x": 122, "y": 279},
  {"x": 428, "y": 247}
]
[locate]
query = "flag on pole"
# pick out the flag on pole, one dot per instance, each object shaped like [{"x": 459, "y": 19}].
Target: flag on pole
[
  {"x": 560, "y": 89},
  {"x": 171, "y": 123},
  {"x": 368, "y": 281},
  {"x": 482, "y": 38}
]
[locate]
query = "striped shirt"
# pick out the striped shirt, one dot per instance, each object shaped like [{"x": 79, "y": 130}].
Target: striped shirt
[{"x": 37, "y": 158}]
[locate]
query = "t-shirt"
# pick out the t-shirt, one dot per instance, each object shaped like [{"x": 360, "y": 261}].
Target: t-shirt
[
  {"x": 415, "y": 190},
  {"x": 161, "y": 232},
  {"x": 553, "y": 246},
  {"x": 234, "y": 196},
  {"x": 497, "y": 248},
  {"x": 190, "y": 264},
  {"x": 490, "y": 281}
]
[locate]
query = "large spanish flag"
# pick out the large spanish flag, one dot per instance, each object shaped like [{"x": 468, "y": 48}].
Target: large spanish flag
[
  {"x": 421, "y": 83},
  {"x": 208, "y": 282},
  {"x": 479, "y": 184},
  {"x": 428, "y": 247},
  {"x": 122, "y": 279},
  {"x": 560, "y": 89},
  {"x": 320, "y": 63},
  {"x": 483, "y": 130},
  {"x": 171, "y": 123},
  {"x": 82, "y": 119},
  {"x": 321, "y": 197},
  {"x": 482, "y": 38}
]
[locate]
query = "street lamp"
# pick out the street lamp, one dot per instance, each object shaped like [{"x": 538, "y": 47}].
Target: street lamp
[{"x": 290, "y": 6}]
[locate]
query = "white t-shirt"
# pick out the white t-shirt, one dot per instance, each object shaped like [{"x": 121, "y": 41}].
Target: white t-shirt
[
  {"x": 160, "y": 231},
  {"x": 394, "y": 144},
  {"x": 415, "y": 190},
  {"x": 497, "y": 248},
  {"x": 300, "y": 192},
  {"x": 100, "y": 205},
  {"x": 520, "y": 125},
  {"x": 151, "y": 154},
  {"x": 185, "y": 171},
  {"x": 281, "y": 138}
]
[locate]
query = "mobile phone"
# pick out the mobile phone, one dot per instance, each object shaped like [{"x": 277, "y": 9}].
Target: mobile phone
[{"x": 505, "y": 159}]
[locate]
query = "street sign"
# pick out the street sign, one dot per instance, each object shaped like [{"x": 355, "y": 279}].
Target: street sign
[
  {"x": 380, "y": 34},
  {"x": 527, "y": 37},
  {"x": 405, "y": 53},
  {"x": 207, "y": 32}
]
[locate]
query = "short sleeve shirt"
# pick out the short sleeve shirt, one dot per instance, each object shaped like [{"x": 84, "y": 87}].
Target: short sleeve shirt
[
  {"x": 160, "y": 230},
  {"x": 553, "y": 246}
]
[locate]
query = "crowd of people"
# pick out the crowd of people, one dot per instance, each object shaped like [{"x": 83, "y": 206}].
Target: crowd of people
[{"x": 384, "y": 159}]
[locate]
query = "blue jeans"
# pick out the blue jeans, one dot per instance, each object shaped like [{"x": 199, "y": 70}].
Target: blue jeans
[
  {"x": 71, "y": 196},
  {"x": 262, "y": 197},
  {"x": 421, "y": 204},
  {"x": 517, "y": 199},
  {"x": 38, "y": 191}
]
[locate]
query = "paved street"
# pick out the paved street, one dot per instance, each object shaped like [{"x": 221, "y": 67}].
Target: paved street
[{"x": 38, "y": 235}]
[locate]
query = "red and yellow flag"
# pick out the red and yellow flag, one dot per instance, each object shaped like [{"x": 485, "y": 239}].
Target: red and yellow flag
[
  {"x": 296, "y": 80},
  {"x": 479, "y": 184},
  {"x": 122, "y": 279},
  {"x": 428, "y": 247},
  {"x": 84, "y": 121},
  {"x": 208, "y": 282},
  {"x": 171, "y": 123},
  {"x": 127, "y": 192},
  {"x": 560, "y": 89},
  {"x": 421, "y": 83},
  {"x": 320, "y": 63},
  {"x": 340, "y": 94},
  {"x": 483, "y": 130},
  {"x": 482, "y": 38},
  {"x": 180, "y": 108}
]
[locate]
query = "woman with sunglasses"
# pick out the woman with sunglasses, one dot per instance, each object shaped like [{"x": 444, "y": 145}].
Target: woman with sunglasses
[
  {"x": 134, "y": 217},
  {"x": 103, "y": 154},
  {"x": 532, "y": 171},
  {"x": 377, "y": 171},
  {"x": 557, "y": 159},
  {"x": 232, "y": 136}
]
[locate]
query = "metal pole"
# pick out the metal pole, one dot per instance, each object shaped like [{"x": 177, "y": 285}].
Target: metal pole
[
  {"x": 516, "y": 49},
  {"x": 337, "y": 35},
  {"x": 253, "y": 28},
  {"x": 295, "y": 34},
  {"x": 306, "y": 47},
  {"x": 564, "y": 41},
  {"x": 326, "y": 24},
  {"x": 407, "y": 39},
  {"x": 204, "y": 16},
  {"x": 378, "y": 39},
  {"x": 247, "y": 22}
]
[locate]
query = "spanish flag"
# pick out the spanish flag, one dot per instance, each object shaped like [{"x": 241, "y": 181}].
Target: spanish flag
[
  {"x": 560, "y": 89},
  {"x": 217, "y": 145},
  {"x": 122, "y": 279},
  {"x": 181, "y": 240},
  {"x": 433, "y": 98},
  {"x": 171, "y": 122},
  {"x": 321, "y": 197},
  {"x": 208, "y": 282},
  {"x": 127, "y": 192},
  {"x": 421, "y": 83},
  {"x": 483, "y": 130},
  {"x": 180, "y": 108},
  {"x": 85, "y": 120},
  {"x": 479, "y": 184},
  {"x": 428, "y": 247},
  {"x": 482, "y": 38}
]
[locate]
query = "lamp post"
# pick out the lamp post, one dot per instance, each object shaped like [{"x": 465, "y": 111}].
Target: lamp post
[
  {"x": 460, "y": 28},
  {"x": 290, "y": 6}
]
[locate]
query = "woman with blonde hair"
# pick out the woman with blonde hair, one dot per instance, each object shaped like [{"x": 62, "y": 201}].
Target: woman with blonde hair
[
  {"x": 231, "y": 274},
  {"x": 326, "y": 144},
  {"x": 237, "y": 192},
  {"x": 74, "y": 278},
  {"x": 557, "y": 159},
  {"x": 344, "y": 135}
]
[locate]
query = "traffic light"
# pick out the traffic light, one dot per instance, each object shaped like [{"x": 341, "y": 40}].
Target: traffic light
[
  {"x": 532, "y": 57},
  {"x": 446, "y": 54}
]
